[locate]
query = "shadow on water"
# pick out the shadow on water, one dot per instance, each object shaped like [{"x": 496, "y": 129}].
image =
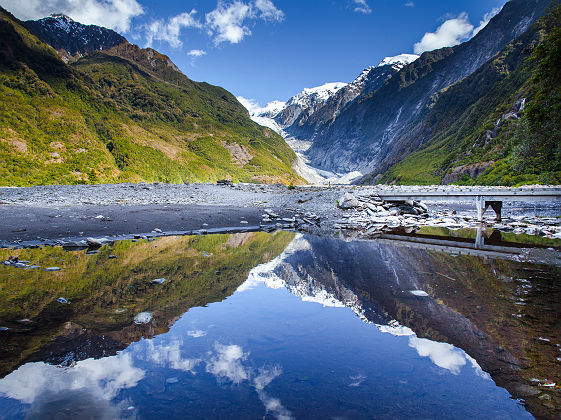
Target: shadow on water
[{"x": 435, "y": 286}]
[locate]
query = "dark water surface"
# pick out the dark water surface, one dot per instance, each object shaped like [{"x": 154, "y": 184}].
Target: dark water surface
[{"x": 257, "y": 325}]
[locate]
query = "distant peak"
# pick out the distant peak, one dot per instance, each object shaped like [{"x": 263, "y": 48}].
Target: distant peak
[
  {"x": 61, "y": 16},
  {"x": 401, "y": 59}
]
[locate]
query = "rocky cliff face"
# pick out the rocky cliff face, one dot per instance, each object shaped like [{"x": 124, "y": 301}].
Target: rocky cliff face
[
  {"x": 369, "y": 129},
  {"x": 72, "y": 39}
]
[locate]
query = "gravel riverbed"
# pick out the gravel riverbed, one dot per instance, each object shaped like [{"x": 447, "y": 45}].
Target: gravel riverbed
[{"x": 55, "y": 214}]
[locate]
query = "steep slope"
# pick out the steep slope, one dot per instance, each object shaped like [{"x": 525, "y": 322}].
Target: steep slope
[
  {"x": 498, "y": 126},
  {"x": 364, "y": 134},
  {"x": 301, "y": 107},
  {"x": 124, "y": 114}
]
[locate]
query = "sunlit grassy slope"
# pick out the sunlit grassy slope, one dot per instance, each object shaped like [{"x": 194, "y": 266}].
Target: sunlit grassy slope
[{"x": 122, "y": 115}]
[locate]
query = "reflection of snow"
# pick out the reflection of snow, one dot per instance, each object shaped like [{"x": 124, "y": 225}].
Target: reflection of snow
[
  {"x": 308, "y": 290},
  {"x": 395, "y": 329},
  {"x": 170, "y": 356},
  {"x": 97, "y": 381},
  {"x": 478, "y": 371}
]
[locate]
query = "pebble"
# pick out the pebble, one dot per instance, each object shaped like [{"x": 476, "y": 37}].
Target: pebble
[
  {"x": 143, "y": 318},
  {"x": 52, "y": 269},
  {"x": 421, "y": 293},
  {"x": 158, "y": 281},
  {"x": 63, "y": 300}
]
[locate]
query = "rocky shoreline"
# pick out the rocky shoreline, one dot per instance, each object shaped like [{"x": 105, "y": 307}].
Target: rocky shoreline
[{"x": 61, "y": 215}]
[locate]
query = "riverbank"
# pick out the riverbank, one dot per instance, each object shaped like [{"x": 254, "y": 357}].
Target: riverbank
[{"x": 55, "y": 214}]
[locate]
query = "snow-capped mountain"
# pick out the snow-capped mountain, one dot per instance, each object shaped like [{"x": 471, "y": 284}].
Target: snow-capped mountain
[
  {"x": 398, "y": 61},
  {"x": 313, "y": 97},
  {"x": 300, "y": 117},
  {"x": 72, "y": 39}
]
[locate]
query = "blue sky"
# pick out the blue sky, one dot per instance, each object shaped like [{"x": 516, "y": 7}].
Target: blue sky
[{"x": 272, "y": 49}]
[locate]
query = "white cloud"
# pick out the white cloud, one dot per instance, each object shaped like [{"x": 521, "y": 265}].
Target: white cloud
[
  {"x": 488, "y": 16},
  {"x": 250, "y": 104},
  {"x": 451, "y": 32},
  {"x": 169, "y": 31},
  {"x": 410, "y": 4},
  {"x": 362, "y": 7},
  {"x": 112, "y": 14},
  {"x": 226, "y": 23},
  {"x": 268, "y": 11}
]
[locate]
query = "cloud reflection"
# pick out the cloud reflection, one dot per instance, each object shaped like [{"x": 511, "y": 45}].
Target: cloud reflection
[
  {"x": 227, "y": 363},
  {"x": 443, "y": 355},
  {"x": 169, "y": 355},
  {"x": 96, "y": 382}
]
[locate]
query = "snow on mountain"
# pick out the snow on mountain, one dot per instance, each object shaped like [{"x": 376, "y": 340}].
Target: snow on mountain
[
  {"x": 300, "y": 118},
  {"x": 271, "y": 109},
  {"x": 311, "y": 97},
  {"x": 400, "y": 60}
]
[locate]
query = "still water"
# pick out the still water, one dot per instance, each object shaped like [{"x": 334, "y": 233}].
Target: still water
[{"x": 279, "y": 325}]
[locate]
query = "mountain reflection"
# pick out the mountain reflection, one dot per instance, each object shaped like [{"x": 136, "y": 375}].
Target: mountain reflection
[
  {"x": 502, "y": 314},
  {"x": 494, "y": 317}
]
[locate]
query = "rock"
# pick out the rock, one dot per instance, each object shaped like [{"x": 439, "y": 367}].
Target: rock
[
  {"x": 143, "y": 318},
  {"x": 271, "y": 213},
  {"x": 157, "y": 230},
  {"x": 348, "y": 201},
  {"x": 63, "y": 300},
  {"x": 74, "y": 244},
  {"x": 420, "y": 293},
  {"x": 225, "y": 182},
  {"x": 158, "y": 281},
  {"x": 94, "y": 242},
  {"x": 52, "y": 269}
]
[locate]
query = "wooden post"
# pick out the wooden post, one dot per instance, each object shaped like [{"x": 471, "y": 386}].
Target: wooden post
[{"x": 481, "y": 207}]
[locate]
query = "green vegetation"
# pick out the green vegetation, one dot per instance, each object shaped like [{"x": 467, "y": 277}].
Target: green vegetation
[
  {"x": 122, "y": 115},
  {"x": 474, "y": 140},
  {"x": 106, "y": 294}
]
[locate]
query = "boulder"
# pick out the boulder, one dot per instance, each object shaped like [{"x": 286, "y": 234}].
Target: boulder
[{"x": 348, "y": 201}]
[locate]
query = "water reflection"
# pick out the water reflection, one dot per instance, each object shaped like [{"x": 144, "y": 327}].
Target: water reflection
[
  {"x": 281, "y": 326},
  {"x": 503, "y": 313}
]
